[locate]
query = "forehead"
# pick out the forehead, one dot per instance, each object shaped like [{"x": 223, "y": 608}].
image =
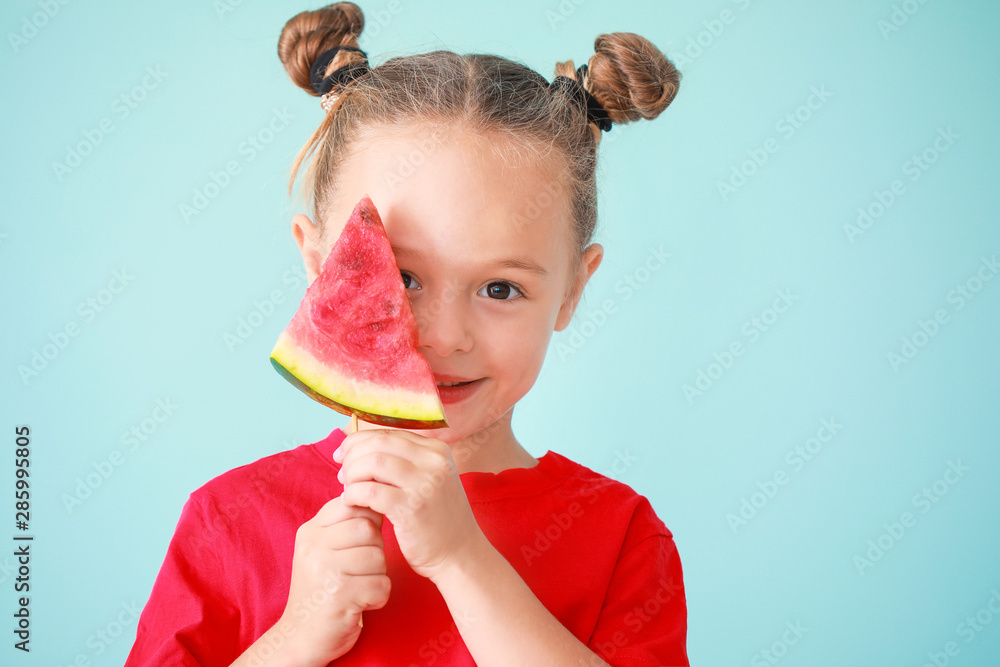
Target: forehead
[{"x": 449, "y": 189}]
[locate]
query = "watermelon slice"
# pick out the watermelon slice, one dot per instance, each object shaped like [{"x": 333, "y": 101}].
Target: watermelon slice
[{"x": 352, "y": 344}]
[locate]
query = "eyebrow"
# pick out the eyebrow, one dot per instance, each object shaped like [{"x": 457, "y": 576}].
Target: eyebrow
[{"x": 521, "y": 263}]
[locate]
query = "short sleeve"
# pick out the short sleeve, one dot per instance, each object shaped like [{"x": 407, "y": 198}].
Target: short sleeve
[
  {"x": 190, "y": 618},
  {"x": 643, "y": 621}
]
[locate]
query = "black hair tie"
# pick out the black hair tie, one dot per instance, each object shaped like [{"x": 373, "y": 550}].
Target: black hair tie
[
  {"x": 324, "y": 84},
  {"x": 595, "y": 112}
]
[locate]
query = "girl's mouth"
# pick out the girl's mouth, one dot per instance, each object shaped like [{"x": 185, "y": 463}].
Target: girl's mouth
[{"x": 453, "y": 392}]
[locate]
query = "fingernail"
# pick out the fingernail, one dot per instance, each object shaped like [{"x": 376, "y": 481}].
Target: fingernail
[
  {"x": 340, "y": 475},
  {"x": 336, "y": 454}
]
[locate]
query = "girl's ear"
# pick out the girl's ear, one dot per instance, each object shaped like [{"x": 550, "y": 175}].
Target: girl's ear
[
  {"x": 307, "y": 237},
  {"x": 589, "y": 262}
]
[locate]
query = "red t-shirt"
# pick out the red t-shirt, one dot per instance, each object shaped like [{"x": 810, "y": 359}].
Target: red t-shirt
[{"x": 590, "y": 548}]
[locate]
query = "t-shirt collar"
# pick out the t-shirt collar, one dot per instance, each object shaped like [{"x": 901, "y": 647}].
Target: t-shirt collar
[{"x": 482, "y": 486}]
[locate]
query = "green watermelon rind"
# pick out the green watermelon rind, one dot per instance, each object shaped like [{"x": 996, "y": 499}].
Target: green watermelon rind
[{"x": 373, "y": 403}]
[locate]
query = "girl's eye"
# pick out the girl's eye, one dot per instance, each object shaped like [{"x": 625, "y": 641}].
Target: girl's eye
[
  {"x": 501, "y": 291},
  {"x": 408, "y": 281}
]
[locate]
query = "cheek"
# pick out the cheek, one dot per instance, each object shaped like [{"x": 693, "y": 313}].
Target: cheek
[{"x": 516, "y": 346}]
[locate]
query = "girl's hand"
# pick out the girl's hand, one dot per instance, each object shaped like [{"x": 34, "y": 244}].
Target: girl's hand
[
  {"x": 412, "y": 480},
  {"x": 338, "y": 571}
]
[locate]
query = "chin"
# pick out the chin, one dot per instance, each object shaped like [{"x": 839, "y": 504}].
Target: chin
[{"x": 449, "y": 434}]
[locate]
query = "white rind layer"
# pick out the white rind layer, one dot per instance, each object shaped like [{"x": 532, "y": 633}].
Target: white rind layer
[{"x": 364, "y": 396}]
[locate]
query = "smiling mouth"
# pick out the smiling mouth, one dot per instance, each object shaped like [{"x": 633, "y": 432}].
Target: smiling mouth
[{"x": 452, "y": 392}]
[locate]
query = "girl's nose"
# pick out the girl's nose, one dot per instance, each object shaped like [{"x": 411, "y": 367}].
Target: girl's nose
[{"x": 443, "y": 322}]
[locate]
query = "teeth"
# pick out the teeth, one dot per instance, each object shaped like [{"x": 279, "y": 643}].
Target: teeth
[{"x": 450, "y": 384}]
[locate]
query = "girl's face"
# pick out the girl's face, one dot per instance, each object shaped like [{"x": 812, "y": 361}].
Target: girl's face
[{"x": 485, "y": 249}]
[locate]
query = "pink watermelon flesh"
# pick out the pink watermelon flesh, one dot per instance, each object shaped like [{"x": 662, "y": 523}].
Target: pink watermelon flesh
[{"x": 352, "y": 344}]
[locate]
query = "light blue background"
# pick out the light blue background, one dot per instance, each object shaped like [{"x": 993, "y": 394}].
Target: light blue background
[{"x": 619, "y": 393}]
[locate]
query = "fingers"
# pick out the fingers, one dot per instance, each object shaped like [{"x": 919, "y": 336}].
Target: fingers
[
  {"x": 370, "y": 592},
  {"x": 391, "y": 458},
  {"x": 339, "y": 526},
  {"x": 361, "y": 561},
  {"x": 378, "y": 466},
  {"x": 356, "y": 532},
  {"x": 339, "y": 571},
  {"x": 379, "y": 497},
  {"x": 404, "y": 444},
  {"x": 336, "y": 511}
]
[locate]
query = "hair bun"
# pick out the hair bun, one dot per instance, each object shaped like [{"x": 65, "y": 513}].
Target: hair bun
[
  {"x": 630, "y": 77},
  {"x": 308, "y": 34}
]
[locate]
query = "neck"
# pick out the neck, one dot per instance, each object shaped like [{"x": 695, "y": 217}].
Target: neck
[{"x": 491, "y": 449}]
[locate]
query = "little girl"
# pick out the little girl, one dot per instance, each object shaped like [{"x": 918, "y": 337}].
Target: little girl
[{"x": 451, "y": 546}]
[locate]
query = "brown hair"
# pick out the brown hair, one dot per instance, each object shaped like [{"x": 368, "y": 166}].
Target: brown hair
[{"x": 495, "y": 96}]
